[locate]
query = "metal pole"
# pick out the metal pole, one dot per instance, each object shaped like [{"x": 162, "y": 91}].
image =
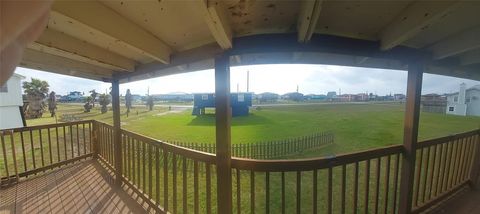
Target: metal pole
[
  {"x": 410, "y": 135},
  {"x": 223, "y": 118}
]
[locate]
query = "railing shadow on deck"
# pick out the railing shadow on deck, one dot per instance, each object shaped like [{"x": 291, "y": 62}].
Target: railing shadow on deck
[{"x": 180, "y": 180}]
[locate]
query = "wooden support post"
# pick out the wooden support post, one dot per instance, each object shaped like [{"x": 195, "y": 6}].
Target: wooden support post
[
  {"x": 117, "y": 145},
  {"x": 223, "y": 118},
  {"x": 475, "y": 168},
  {"x": 410, "y": 134},
  {"x": 94, "y": 139}
]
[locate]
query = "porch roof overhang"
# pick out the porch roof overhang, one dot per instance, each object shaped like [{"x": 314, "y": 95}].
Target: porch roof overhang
[{"x": 135, "y": 40}]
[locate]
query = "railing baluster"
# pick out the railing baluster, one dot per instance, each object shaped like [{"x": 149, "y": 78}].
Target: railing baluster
[
  {"x": 252, "y": 192},
  {"x": 267, "y": 192},
  {"x": 283, "y": 192},
  {"x": 432, "y": 171},
  {"x": 395, "y": 187},
  {"x": 71, "y": 141},
  {"x": 315, "y": 191},
  {"x": 344, "y": 188},
  {"x": 5, "y": 158},
  {"x": 355, "y": 189},
  {"x": 330, "y": 191},
  {"x": 50, "y": 145},
  {"x": 64, "y": 142},
  {"x": 78, "y": 141},
  {"x": 174, "y": 171},
  {"x": 184, "y": 186},
  {"x": 84, "y": 140},
  {"x": 367, "y": 186},
  {"x": 387, "y": 185},
  {"x": 150, "y": 170},
  {"x": 157, "y": 174},
  {"x": 377, "y": 185},
  {"x": 23, "y": 152},
  {"x": 165, "y": 180},
  {"x": 441, "y": 172},
  {"x": 238, "y": 191},
  {"x": 208, "y": 190},
  {"x": 144, "y": 166},
  {"x": 58, "y": 144},
  {"x": 425, "y": 176},
  {"x": 41, "y": 146},
  {"x": 418, "y": 177},
  {"x": 195, "y": 188},
  {"x": 299, "y": 191},
  {"x": 462, "y": 160},
  {"x": 14, "y": 155}
]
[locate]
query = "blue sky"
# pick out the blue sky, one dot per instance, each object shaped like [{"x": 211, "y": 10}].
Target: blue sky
[{"x": 316, "y": 79}]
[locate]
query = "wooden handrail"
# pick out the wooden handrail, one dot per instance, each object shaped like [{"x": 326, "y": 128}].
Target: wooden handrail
[
  {"x": 435, "y": 141},
  {"x": 313, "y": 163},
  {"x": 53, "y": 125}
]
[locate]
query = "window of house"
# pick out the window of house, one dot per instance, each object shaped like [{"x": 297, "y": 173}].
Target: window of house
[
  {"x": 455, "y": 99},
  {"x": 451, "y": 108},
  {"x": 204, "y": 97},
  {"x": 467, "y": 100},
  {"x": 241, "y": 98},
  {"x": 4, "y": 88}
]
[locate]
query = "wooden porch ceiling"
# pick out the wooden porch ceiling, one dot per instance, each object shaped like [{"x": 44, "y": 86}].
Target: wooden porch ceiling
[{"x": 134, "y": 40}]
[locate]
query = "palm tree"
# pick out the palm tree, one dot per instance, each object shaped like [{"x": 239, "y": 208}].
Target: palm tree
[
  {"x": 93, "y": 94},
  {"x": 37, "y": 91},
  {"x": 88, "y": 104},
  {"x": 104, "y": 100},
  {"x": 128, "y": 101},
  {"x": 52, "y": 103}
]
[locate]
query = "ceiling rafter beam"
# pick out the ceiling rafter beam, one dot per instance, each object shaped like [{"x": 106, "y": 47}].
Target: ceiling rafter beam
[
  {"x": 61, "y": 44},
  {"x": 307, "y": 19},
  {"x": 51, "y": 63},
  {"x": 457, "y": 44},
  {"x": 215, "y": 15},
  {"x": 101, "y": 18},
  {"x": 414, "y": 19},
  {"x": 471, "y": 57}
]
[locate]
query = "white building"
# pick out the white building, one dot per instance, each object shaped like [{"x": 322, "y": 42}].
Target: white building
[
  {"x": 10, "y": 103},
  {"x": 464, "y": 102}
]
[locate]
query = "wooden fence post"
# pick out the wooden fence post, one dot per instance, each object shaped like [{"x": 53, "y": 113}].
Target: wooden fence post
[
  {"x": 223, "y": 136},
  {"x": 117, "y": 141},
  {"x": 410, "y": 135}
]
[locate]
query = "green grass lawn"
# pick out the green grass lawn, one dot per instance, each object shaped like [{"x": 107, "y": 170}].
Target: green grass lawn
[{"x": 356, "y": 126}]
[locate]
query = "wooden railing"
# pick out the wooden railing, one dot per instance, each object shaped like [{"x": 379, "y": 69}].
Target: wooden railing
[
  {"x": 364, "y": 182},
  {"x": 168, "y": 177},
  {"x": 35, "y": 149},
  {"x": 268, "y": 149},
  {"x": 444, "y": 165},
  {"x": 181, "y": 180}
]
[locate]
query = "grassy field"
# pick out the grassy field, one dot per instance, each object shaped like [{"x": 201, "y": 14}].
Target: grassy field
[{"x": 356, "y": 126}]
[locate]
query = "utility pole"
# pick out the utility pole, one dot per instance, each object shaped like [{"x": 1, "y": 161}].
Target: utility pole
[{"x": 248, "y": 81}]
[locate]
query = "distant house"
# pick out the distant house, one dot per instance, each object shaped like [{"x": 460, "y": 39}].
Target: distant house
[
  {"x": 74, "y": 96},
  {"x": 267, "y": 97},
  {"x": 315, "y": 97},
  {"x": 464, "y": 102},
  {"x": 240, "y": 103},
  {"x": 11, "y": 103},
  {"x": 399, "y": 97},
  {"x": 434, "y": 103},
  {"x": 294, "y": 96}
]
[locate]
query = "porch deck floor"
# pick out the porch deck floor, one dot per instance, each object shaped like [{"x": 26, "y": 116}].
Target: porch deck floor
[{"x": 85, "y": 187}]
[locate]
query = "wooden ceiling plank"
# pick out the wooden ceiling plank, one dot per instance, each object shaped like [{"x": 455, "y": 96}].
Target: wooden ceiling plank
[
  {"x": 414, "y": 19},
  {"x": 307, "y": 19},
  {"x": 98, "y": 16},
  {"x": 471, "y": 57},
  {"x": 215, "y": 15},
  {"x": 83, "y": 51},
  {"x": 457, "y": 44},
  {"x": 62, "y": 65}
]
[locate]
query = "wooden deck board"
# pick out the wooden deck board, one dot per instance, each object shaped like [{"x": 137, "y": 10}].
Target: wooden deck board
[{"x": 85, "y": 187}]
